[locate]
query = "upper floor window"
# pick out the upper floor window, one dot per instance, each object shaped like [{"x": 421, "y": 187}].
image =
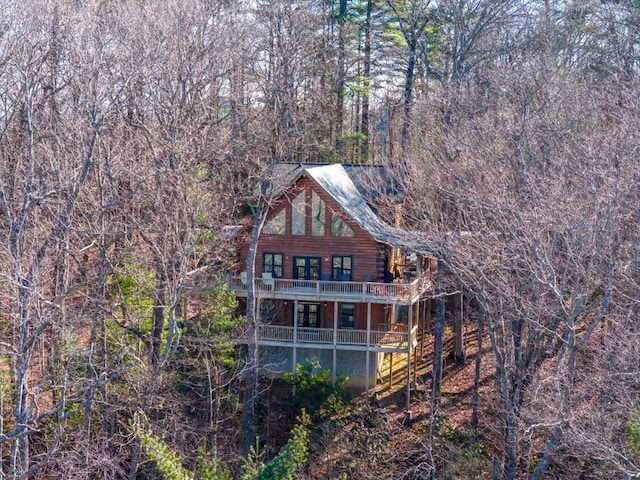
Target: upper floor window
[
  {"x": 339, "y": 228},
  {"x": 347, "y": 315},
  {"x": 307, "y": 268},
  {"x": 317, "y": 215},
  {"x": 277, "y": 225},
  {"x": 298, "y": 217},
  {"x": 273, "y": 263},
  {"x": 341, "y": 268}
]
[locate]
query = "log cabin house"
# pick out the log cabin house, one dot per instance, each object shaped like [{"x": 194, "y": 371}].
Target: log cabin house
[{"x": 334, "y": 280}]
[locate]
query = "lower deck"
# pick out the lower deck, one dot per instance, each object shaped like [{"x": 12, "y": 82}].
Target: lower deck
[{"x": 397, "y": 338}]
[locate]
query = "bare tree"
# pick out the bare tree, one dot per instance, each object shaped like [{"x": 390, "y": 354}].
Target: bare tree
[
  {"x": 536, "y": 216},
  {"x": 51, "y": 131}
]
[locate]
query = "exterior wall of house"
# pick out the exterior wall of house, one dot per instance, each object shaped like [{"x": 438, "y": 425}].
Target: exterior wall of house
[
  {"x": 280, "y": 312},
  {"x": 368, "y": 256},
  {"x": 380, "y": 316}
]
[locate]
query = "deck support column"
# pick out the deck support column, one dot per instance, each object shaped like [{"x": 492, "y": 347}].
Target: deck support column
[
  {"x": 415, "y": 368},
  {"x": 367, "y": 366},
  {"x": 335, "y": 343},
  {"x": 421, "y": 328},
  {"x": 409, "y": 349},
  {"x": 294, "y": 357}
]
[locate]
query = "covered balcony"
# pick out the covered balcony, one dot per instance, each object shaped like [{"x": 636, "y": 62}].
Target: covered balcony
[
  {"x": 393, "y": 339},
  {"x": 321, "y": 290}
]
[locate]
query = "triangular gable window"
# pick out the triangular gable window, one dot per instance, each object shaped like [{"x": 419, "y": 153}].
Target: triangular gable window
[
  {"x": 277, "y": 225},
  {"x": 298, "y": 217},
  {"x": 317, "y": 215},
  {"x": 338, "y": 227}
]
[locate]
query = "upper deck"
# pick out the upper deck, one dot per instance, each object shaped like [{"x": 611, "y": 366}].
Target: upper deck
[{"x": 327, "y": 291}]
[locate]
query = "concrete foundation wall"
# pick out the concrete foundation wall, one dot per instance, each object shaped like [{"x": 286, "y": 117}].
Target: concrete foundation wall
[{"x": 278, "y": 360}]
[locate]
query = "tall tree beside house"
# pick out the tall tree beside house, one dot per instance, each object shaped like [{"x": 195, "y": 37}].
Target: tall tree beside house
[
  {"x": 50, "y": 146},
  {"x": 366, "y": 80},
  {"x": 537, "y": 229},
  {"x": 177, "y": 211},
  {"x": 89, "y": 162},
  {"x": 472, "y": 34},
  {"x": 412, "y": 18}
]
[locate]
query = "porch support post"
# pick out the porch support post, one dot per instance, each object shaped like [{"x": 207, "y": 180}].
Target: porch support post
[
  {"x": 415, "y": 367},
  {"x": 335, "y": 342},
  {"x": 294, "y": 358},
  {"x": 415, "y": 350},
  {"x": 420, "y": 322},
  {"x": 409, "y": 349},
  {"x": 367, "y": 367}
]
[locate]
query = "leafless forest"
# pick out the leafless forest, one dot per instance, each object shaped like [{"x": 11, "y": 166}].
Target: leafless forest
[{"x": 133, "y": 132}]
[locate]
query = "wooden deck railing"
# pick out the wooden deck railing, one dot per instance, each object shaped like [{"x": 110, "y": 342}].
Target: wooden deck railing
[
  {"x": 395, "y": 336},
  {"x": 330, "y": 290}
]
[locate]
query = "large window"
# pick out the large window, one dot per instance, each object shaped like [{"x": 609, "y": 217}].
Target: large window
[
  {"x": 338, "y": 227},
  {"x": 308, "y": 314},
  {"x": 298, "y": 217},
  {"x": 277, "y": 225},
  {"x": 307, "y": 268},
  {"x": 317, "y": 215},
  {"x": 341, "y": 269},
  {"x": 347, "y": 315},
  {"x": 273, "y": 263}
]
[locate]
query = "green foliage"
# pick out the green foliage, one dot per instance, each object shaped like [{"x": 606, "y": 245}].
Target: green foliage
[
  {"x": 633, "y": 431},
  {"x": 282, "y": 467},
  {"x": 354, "y": 137},
  {"x": 200, "y": 172},
  {"x": 6, "y": 377},
  {"x": 207, "y": 359},
  {"x": 393, "y": 35},
  {"x": 212, "y": 469},
  {"x": 290, "y": 457},
  {"x": 134, "y": 283},
  {"x": 132, "y": 287},
  {"x": 288, "y": 460},
  {"x": 253, "y": 463},
  {"x": 167, "y": 461},
  {"x": 216, "y": 324},
  {"x": 313, "y": 388},
  {"x": 454, "y": 435}
]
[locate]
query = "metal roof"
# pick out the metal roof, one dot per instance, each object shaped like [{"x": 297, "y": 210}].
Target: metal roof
[
  {"x": 372, "y": 181},
  {"x": 336, "y": 181}
]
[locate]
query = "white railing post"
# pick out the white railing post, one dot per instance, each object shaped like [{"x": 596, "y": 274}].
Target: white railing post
[
  {"x": 367, "y": 367},
  {"x": 294, "y": 358},
  {"x": 335, "y": 343}
]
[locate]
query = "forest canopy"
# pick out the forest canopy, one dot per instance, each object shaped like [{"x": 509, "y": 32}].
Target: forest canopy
[{"x": 133, "y": 132}]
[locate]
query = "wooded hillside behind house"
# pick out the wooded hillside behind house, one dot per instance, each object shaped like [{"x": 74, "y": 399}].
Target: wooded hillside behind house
[{"x": 133, "y": 134}]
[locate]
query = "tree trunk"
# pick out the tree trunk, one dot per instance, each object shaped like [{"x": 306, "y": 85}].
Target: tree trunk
[
  {"x": 158, "y": 317},
  {"x": 459, "y": 354},
  {"x": 251, "y": 367},
  {"x": 476, "y": 377},
  {"x": 366, "y": 79},
  {"x": 408, "y": 97},
  {"x": 340, "y": 80}
]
